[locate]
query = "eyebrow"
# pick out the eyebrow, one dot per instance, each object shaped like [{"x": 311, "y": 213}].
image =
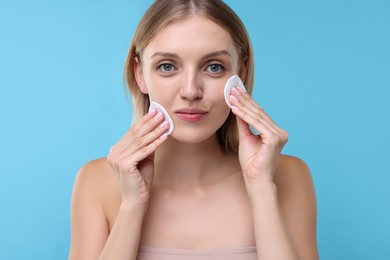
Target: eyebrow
[
  {"x": 165, "y": 54},
  {"x": 205, "y": 57}
]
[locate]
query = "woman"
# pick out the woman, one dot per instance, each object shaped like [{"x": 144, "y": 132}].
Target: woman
[{"x": 211, "y": 189}]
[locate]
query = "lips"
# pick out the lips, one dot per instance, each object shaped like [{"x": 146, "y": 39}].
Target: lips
[{"x": 190, "y": 114}]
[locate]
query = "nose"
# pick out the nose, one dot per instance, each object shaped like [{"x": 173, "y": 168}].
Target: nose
[{"x": 191, "y": 88}]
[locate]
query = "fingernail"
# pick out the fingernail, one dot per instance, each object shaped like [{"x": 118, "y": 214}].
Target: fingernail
[
  {"x": 241, "y": 90},
  {"x": 151, "y": 111},
  {"x": 235, "y": 108},
  {"x": 235, "y": 91},
  {"x": 163, "y": 124},
  {"x": 158, "y": 115},
  {"x": 234, "y": 99},
  {"x": 163, "y": 136}
]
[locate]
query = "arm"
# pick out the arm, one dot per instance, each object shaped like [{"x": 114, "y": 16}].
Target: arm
[
  {"x": 297, "y": 200},
  {"x": 131, "y": 162},
  {"x": 275, "y": 209},
  {"x": 272, "y": 238},
  {"x": 91, "y": 237},
  {"x": 89, "y": 227},
  {"x": 124, "y": 239},
  {"x": 284, "y": 213}
]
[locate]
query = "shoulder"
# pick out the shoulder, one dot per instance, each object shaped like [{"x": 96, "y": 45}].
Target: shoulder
[
  {"x": 295, "y": 189},
  {"x": 94, "y": 170},
  {"x": 292, "y": 172},
  {"x": 94, "y": 181},
  {"x": 94, "y": 173},
  {"x": 89, "y": 224},
  {"x": 297, "y": 200}
]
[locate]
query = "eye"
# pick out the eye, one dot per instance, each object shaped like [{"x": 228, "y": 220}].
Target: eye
[
  {"x": 215, "y": 68},
  {"x": 166, "y": 67}
]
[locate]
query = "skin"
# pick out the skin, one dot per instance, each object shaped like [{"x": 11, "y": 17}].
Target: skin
[{"x": 145, "y": 193}]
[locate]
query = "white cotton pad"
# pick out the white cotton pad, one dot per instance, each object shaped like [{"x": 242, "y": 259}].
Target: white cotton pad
[
  {"x": 233, "y": 82},
  {"x": 160, "y": 108}
]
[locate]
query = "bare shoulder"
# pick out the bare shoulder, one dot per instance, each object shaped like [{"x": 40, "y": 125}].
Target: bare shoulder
[
  {"x": 94, "y": 171},
  {"x": 97, "y": 168},
  {"x": 95, "y": 177},
  {"x": 292, "y": 172},
  {"x": 297, "y": 200},
  {"x": 294, "y": 184},
  {"x": 93, "y": 187},
  {"x": 97, "y": 181}
]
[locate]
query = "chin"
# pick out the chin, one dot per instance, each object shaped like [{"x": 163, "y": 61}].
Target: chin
[{"x": 192, "y": 136}]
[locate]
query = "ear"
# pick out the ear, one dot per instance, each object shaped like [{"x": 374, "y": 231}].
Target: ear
[
  {"x": 243, "y": 70},
  {"x": 139, "y": 76}
]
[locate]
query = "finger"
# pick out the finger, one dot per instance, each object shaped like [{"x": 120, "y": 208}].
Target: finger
[
  {"x": 148, "y": 123},
  {"x": 136, "y": 126},
  {"x": 246, "y": 103},
  {"x": 137, "y": 135},
  {"x": 128, "y": 161},
  {"x": 145, "y": 151},
  {"x": 140, "y": 142},
  {"x": 248, "y": 110},
  {"x": 254, "y": 122},
  {"x": 268, "y": 135},
  {"x": 243, "y": 128},
  {"x": 245, "y": 96},
  {"x": 251, "y": 106}
]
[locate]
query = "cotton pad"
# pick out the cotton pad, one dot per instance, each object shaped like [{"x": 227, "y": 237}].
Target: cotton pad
[
  {"x": 160, "y": 108},
  {"x": 233, "y": 82}
]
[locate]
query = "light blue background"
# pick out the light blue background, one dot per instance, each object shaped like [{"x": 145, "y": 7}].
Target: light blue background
[{"x": 322, "y": 72}]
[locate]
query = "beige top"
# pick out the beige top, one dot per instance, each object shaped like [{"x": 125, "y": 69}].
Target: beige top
[{"x": 152, "y": 253}]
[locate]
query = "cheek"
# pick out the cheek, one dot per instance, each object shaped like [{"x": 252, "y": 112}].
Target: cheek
[
  {"x": 215, "y": 91},
  {"x": 161, "y": 90},
  {"x": 222, "y": 110},
  {"x": 154, "y": 85},
  {"x": 221, "y": 114},
  {"x": 152, "y": 82}
]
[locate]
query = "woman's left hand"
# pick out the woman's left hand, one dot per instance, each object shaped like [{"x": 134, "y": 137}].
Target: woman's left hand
[{"x": 258, "y": 154}]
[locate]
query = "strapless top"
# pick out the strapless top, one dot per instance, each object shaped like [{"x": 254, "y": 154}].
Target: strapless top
[{"x": 153, "y": 253}]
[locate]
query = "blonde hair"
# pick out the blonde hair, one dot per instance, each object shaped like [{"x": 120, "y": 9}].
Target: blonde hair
[{"x": 165, "y": 12}]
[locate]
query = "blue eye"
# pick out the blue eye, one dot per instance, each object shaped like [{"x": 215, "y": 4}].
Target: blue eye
[
  {"x": 166, "y": 67},
  {"x": 214, "y": 68}
]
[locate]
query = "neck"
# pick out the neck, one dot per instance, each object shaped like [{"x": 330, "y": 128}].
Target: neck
[{"x": 186, "y": 165}]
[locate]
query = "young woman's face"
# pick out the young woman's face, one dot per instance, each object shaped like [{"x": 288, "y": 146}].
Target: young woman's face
[{"x": 185, "y": 68}]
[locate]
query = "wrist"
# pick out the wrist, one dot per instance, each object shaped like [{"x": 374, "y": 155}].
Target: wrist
[
  {"x": 261, "y": 190},
  {"x": 133, "y": 206},
  {"x": 258, "y": 177}
]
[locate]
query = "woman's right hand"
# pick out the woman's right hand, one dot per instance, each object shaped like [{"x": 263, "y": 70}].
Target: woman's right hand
[{"x": 132, "y": 158}]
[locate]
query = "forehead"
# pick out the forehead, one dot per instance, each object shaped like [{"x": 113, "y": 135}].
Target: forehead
[{"x": 195, "y": 35}]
